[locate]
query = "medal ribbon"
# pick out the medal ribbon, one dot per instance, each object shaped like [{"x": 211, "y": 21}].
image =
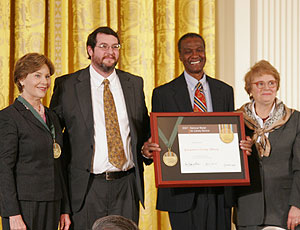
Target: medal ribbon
[
  {"x": 170, "y": 142},
  {"x": 35, "y": 113},
  {"x": 225, "y": 128}
]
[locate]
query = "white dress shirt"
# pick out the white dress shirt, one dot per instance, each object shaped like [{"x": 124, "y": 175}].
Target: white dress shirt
[
  {"x": 100, "y": 160},
  {"x": 191, "y": 84},
  {"x": 259, "y": 120}
]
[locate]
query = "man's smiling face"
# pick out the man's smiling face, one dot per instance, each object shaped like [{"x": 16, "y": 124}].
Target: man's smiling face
[{"x": 192, "y": 55}]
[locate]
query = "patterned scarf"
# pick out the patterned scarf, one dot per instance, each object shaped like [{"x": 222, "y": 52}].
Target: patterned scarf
[{"x": 279, "y": 117}]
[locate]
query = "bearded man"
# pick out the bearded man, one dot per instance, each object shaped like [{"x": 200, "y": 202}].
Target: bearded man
[{"x": 105, "y": 121}]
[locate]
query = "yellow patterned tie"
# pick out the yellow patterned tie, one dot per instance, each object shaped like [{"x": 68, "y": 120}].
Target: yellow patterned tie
[{"x": 116, "y": 155}]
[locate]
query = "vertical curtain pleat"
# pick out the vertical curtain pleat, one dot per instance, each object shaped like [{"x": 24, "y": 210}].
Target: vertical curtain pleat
[
  {"x": 6, "y": 44},
  {"x": 149, "y": 31}
]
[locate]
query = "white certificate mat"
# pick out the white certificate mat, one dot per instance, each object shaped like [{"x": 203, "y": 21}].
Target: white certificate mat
[{"x": 203, "y": 150}]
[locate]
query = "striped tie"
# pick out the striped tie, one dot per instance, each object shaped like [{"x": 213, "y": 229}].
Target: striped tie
[{"x": 199, "y": 99}]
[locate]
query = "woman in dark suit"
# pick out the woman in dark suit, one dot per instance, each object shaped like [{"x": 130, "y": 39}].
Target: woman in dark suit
[
  {"x": 272, "y": 201},
  {"x": 32, "y": 190}
]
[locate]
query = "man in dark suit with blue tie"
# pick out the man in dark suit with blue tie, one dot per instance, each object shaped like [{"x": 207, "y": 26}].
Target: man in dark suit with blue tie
[
  {"x": 193, "y": 208},
  {"x": 106, "y": 123}
]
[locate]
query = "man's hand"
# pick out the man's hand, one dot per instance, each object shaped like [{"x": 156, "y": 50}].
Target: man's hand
[
  {"x": 148, "y": 148},
  {"x": 293, "y": 218},
  {"x": 17, "y": 223},
  {"x": 246, "y": 145},
  {"x": 65, "y": 222}
]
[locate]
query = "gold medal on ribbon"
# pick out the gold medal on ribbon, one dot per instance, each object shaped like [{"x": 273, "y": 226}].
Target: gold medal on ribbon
[
  {"x": 56, "y": 150},
  {"x": 226, "y": 133},
  {"x": 170, "y": 158}
]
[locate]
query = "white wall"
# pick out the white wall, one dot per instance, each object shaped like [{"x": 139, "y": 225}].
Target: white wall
[{"x": 251, "y": 30}]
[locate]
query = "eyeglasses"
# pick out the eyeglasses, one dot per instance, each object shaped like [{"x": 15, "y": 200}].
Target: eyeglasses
[
  {"x": 263, "y": 84},
  {"x": 106, "y": 47}
]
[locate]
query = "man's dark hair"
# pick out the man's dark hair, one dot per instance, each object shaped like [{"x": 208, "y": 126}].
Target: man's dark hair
[
  {"x": 114, "y": 222},
  {"x": 189, "y": 35},
  {"x": 92, "y": 38}
]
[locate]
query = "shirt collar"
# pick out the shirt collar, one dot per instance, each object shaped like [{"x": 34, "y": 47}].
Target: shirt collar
[
  {"x": 256, "y": 116},
  {"x": 192, "y": 82},
  {"x": 97, "y": 78}
]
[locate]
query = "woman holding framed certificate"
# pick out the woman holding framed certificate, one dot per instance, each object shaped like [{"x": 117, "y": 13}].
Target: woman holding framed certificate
[
  {"x": 32, "y": 190},
  {"x": 273, "y": 198}
]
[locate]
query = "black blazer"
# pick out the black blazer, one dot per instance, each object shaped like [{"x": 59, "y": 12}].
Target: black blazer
[
  {"x": 28, "y": 170},
  {"x": 174, "y": 97},
  {"x": 275, "y": 180},
  {"x": 72, "y": 102}
]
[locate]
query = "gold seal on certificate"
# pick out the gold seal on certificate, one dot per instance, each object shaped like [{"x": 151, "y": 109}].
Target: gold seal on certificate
[
  {"x": 170, "y": 158},
  {"x": 226, "y": 133},
  {"x": 56, "y": 150}
]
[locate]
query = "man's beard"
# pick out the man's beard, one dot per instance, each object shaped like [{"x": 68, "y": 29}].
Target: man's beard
[
  {"x": 107, "y": 69},
  {"x": 101, "y": 66}
]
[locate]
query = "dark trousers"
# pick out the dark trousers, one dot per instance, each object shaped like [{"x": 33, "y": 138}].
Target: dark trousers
[
  {"x": 38, "y": 215},
  {"x": 208, "y": 213},
  {"x": 107, "y": 197}
]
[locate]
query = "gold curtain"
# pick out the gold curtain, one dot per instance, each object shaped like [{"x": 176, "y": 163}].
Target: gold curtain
[{"x": 149, "y": 31}]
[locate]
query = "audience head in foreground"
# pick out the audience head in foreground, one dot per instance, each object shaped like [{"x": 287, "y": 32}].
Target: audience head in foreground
[{"x": 114, "y": 222}]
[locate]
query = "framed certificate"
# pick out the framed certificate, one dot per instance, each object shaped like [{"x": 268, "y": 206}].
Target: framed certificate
[{"x": 199, "y": 149}]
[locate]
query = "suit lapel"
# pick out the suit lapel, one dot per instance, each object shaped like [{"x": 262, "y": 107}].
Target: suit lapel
[
  {"x": 275, "y": 136},
  {"x": 27, "y": 114},
  {"x": 129, "y": 97},
  {"x": 83, "y": 90},
  {"x": 128, "y": 92},
  {"x": 216, "y": 97},
  {"x": 181, "y": 95}
]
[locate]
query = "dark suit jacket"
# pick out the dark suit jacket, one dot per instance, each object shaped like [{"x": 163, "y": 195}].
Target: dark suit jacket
[
  {"x": 275, "y": 180},
  {"x": 28, "y": 170},
  {"x": 174, "y": 97},
  {"x": 73, "y": 104}
]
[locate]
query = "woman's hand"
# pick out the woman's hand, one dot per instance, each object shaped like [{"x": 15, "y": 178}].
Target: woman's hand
[
  {"x": 246, "y": 145},
  {"x": 65, "y": 222},
  {"x": 17, "y": 223},
  {"x": 293, "y": 218}
]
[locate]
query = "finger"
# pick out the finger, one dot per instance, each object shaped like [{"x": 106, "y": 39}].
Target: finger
[
  {"x": 247, "y": 150},
  {"x": 248, "y": 139},
  {"x": 148, "y": 154},
  {"x": 67, "y": 224},
  {"x": 293, "y": 225},
  {"x": 61, "y": 223},
  {"x": 153, "y": 145},
  {"x": 67, "y": 227},
  {"x": 289, "y": 223},
  {"x": 245, "y": 147},
  {"x": 154, "y": 148},
  {"x": 246, "y": 143}
]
